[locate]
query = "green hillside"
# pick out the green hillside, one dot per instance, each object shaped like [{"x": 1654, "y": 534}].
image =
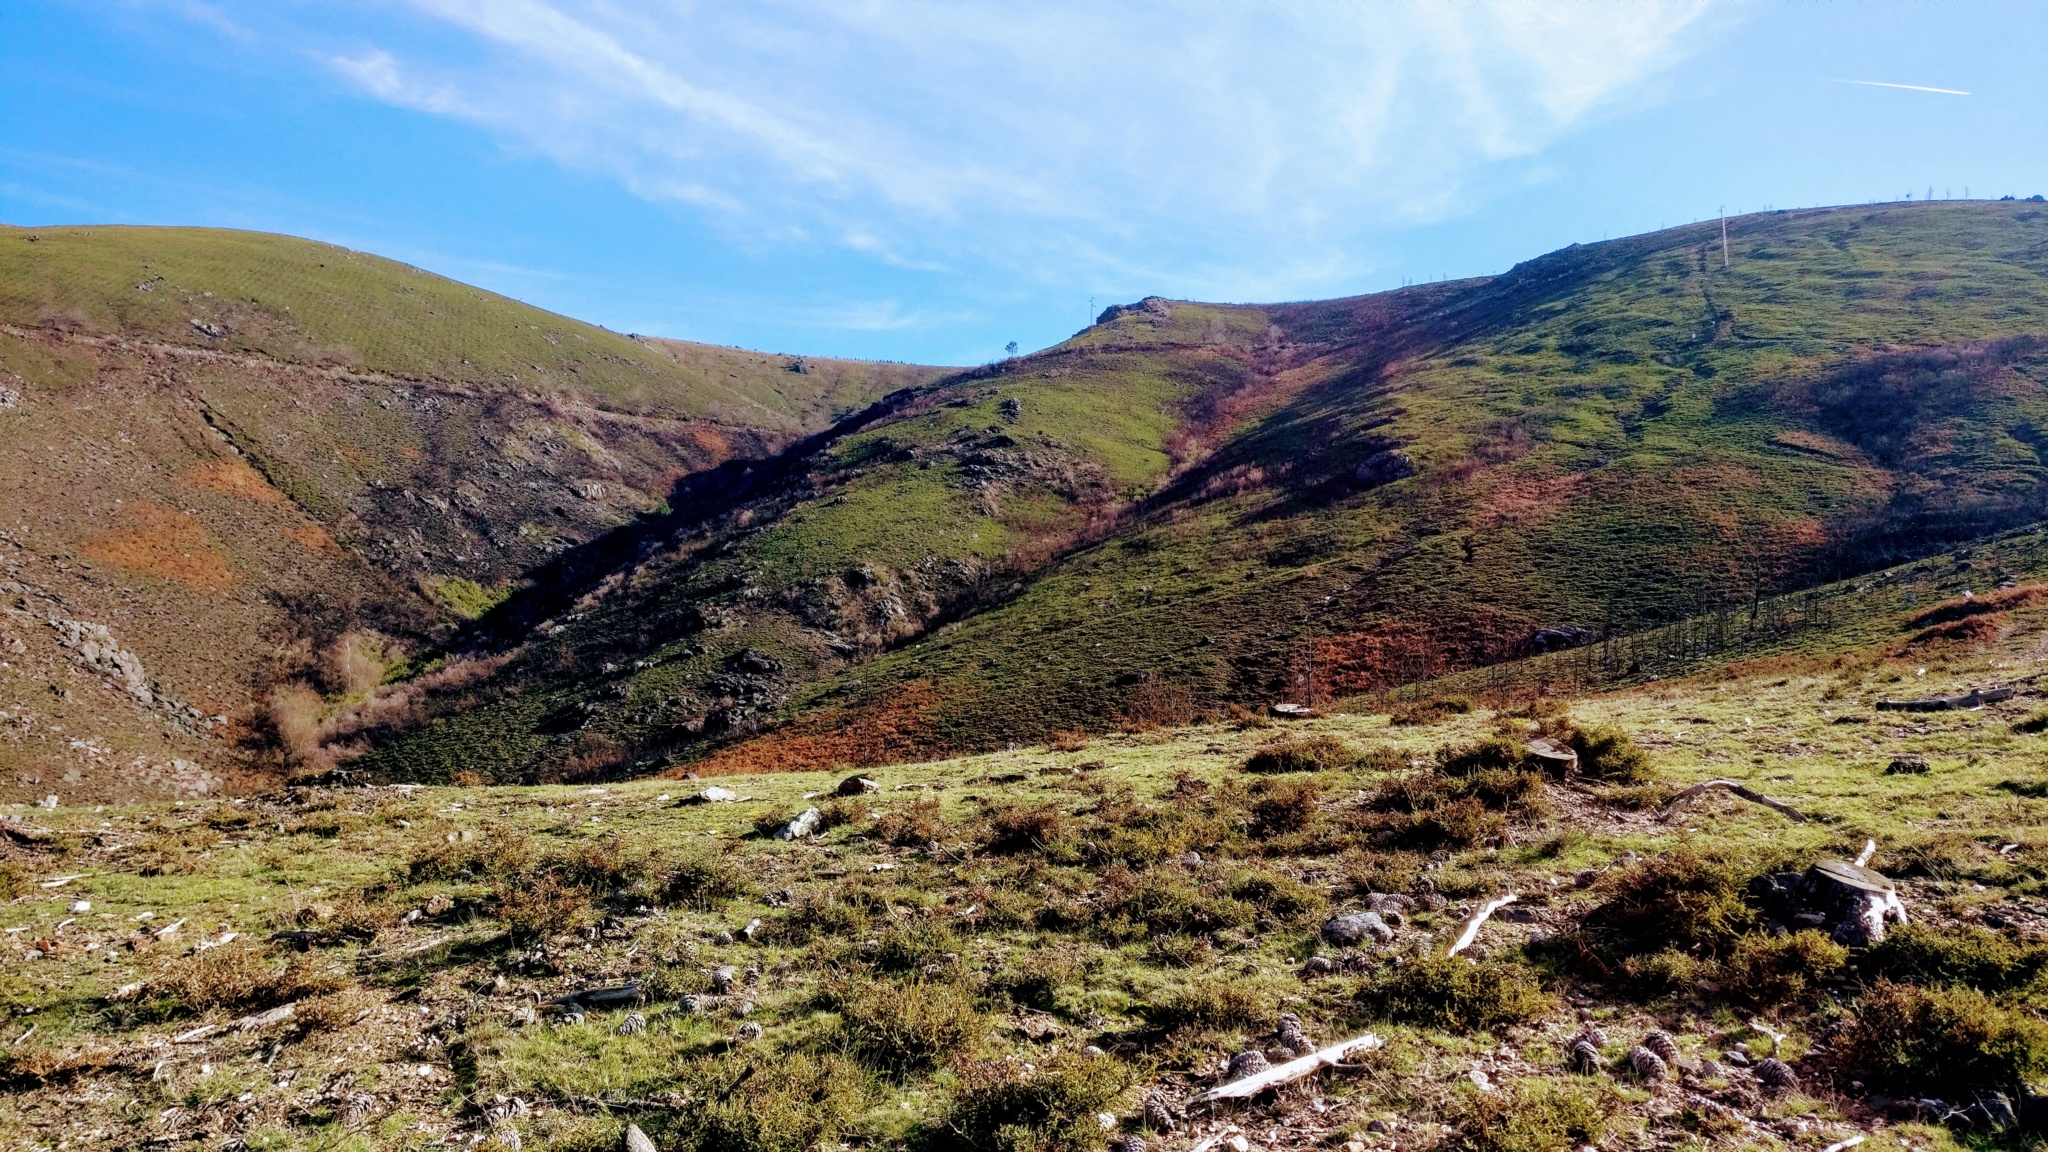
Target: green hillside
[
  {"x": 1193, "y": 505},
  {"x": 262, "y": 463}
]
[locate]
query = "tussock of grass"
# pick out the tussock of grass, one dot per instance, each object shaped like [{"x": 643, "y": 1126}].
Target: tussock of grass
[
  {"x": 1008, "y": 1106},
  {"x": 1318, "y": 753},
  {"x": 905, "y": 1028},
  {"x": 1949, "y": 1040},
  {"x": 1531, "y": 1116},
  {"x": 1973, "y": 957},
  {"x": 1454, "y": 993}
]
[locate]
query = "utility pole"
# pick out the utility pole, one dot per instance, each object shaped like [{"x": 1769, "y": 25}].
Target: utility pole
[{"x": 1724, "y": 238}]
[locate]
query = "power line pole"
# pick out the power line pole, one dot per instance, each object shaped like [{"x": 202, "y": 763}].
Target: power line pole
[{"x": 1724, "y": 238}]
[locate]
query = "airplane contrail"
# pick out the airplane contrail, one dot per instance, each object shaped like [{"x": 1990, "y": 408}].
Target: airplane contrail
[{"x": 1907, "y": 87}]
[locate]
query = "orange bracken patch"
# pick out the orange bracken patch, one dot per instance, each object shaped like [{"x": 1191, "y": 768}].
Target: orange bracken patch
[
  {"x": 234, "y": 478},
  {"x": 894, "y": 732},
  {"x": 312, "y": 536},
  {"x": 165, "y": 542}
]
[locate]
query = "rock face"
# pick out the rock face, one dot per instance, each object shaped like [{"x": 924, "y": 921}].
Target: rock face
[
  {"x": 95, "y": 647},
  {"x": 1354, "y": 927}
]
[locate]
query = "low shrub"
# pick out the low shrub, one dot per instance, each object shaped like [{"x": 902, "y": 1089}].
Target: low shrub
[
  {"x": 1038, "y": 977},
  {"x": 2033, "y": 725},
  {"x": 907, "y": 947},
  {"x": 1609, "y": 754},
  {"x": 845, "y": 812},
  {"x": 1973, "y": 957},
  {"x": 1685, "y": 900},
  {"x": 906, "y": 1027},
  {"x": 707, "y": 883},
  {"x": 1280, "y": 896},
  {"x": 236, "y": 976},
  {"x": 1165, "y": 900},
  {"x": 793, "y": 1103},
  {"x": 1010, "y": 1106},
  {"x": 913, "y": 826},
  {"x": 1493, "y": 754},
  {"x": 1318, "y": 753},
  {"x": 1766, "y": 970},
  {"x": 1950, "y": 1040},
  {"x": 1533, "y": 1115},
  {"x": 1666, "y": 972},
  {"x": 1282, "y": 806},
  {"x": 1453, "y": 993},
  {"x": 1431, "y": 710},
  {"x": 15, "y": 879},
  {"x": 1027, "y": 828},
  {"x": 1209, "y": 1004}
]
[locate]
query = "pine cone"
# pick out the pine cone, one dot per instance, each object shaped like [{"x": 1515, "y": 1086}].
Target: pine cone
[
  {"x": 632, "y": 1025},
  {"x": 1129, "y": 1143},
  {"x": 1246, "y": 1064},
  {"x": 1648, "y": 1065},
  {"x": 1158, "y": 1116},
  {"x": 1584, "y": 1057},
  {"x": 1775, "y": 1073},
  {"x": 1662, "y": 1045},
  {"x": 1591, "y": 1034},
  {"x": 1295, "y": 1041}
]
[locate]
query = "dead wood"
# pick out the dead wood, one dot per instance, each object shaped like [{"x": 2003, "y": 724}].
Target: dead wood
[{"x": 1731, "y": 786}]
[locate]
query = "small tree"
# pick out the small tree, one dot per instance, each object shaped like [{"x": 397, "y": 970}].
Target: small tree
[{"x": 1010, "y": 348}]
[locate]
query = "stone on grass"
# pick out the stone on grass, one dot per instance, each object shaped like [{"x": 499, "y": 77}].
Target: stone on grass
[
  {"x": 637, "y": 1141},
  {"x": 1355, "y": 927},
  {"x": 805, "y": 823},
  {"x": 857, "y": 786}
]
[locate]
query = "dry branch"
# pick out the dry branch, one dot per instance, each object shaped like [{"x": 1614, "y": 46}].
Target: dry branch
[
  {"x": 1480, "y": 917},
  {"x": 1731, "y": 786},
  {"x": 1289, "y": 1072}
]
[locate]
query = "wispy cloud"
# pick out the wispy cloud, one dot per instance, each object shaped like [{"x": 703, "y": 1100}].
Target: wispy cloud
[
  {"x": 1907, "y": 87},
  {"x": 1177, "y": 143}
]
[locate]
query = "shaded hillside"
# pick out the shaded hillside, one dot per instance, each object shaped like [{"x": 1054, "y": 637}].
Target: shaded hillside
[
  {"x": 255, "y": 460},
  {"x": 1189, "y": 505}
]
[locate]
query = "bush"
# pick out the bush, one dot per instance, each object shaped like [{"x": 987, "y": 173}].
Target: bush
[
  {"x": 1922, "y": 1040},
  {"x": 1415, "y": 713},
  {"x": 1766, "y": 970},
  {"x": 1456, "y": 994},
  {"x": 1166, "y": 901},
  {"x": 914, "y": 826},
  {"x": 15, "y": 879},
  {"x": 1531, "y": 1116},
  {"x": 906, "y": 1027},
  {"x": 1039, "y": 976},
  {"x": 235, "y": 976},
  {"x": 1280, "y": 896},
  {"x": 1022, "y": 829},
  {"x": 1609, "y": 754},
  {"x": 707, "y": 883},
  {"x": 1919, "y": 954},
  {"x": 1683, "y": 900},
  {"x": 1283, "y": 806},
  {"x": 793, "y": 1103},
  {"x": 1303, "y": 754},
  {"x": 922, "y": 942},
  {"x": 1009, "y": 1106},
  {"x": 1210, "y": 1004},
  {"x": 1493, "y": 754}
]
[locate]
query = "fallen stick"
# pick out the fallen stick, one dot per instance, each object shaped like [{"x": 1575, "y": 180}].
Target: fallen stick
[
  {"x": 1844, "y": 1145},
  {"x": 1291, "y": 1071},
  {"x": 1730, "y": 785},
  {"x": 1480, "y": 917}
]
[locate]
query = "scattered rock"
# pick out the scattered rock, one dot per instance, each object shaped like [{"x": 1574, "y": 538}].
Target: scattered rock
[
  {"x": 1907, "y": 766},
  {"x": 1355, "y": 927},
  {"x": 806, "y": 823},
  {"x": 1736, "y": 1057},
  {"x": 711, "y": 796},
  {"x": 637, "y": 1141},
  {"x": 857, "y": 786}
]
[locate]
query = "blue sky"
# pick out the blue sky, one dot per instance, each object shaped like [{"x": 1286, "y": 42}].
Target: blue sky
[{"x": 928, "y": 180}]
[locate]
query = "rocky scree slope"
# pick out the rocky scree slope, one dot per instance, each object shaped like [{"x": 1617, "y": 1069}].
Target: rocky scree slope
[
  {"x": 1189, "y": 505},
  {"x": 235, "y": 462}
]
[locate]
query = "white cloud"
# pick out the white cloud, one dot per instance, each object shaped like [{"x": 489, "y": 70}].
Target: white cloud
[{"x": 1181, "y": 143}]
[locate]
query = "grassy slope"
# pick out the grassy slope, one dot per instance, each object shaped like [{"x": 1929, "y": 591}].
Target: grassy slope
[
  {"x": 358, "y": 445},
  {"x": 1019, "y": 935},
  {"x": 1590, "y": 451}
]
